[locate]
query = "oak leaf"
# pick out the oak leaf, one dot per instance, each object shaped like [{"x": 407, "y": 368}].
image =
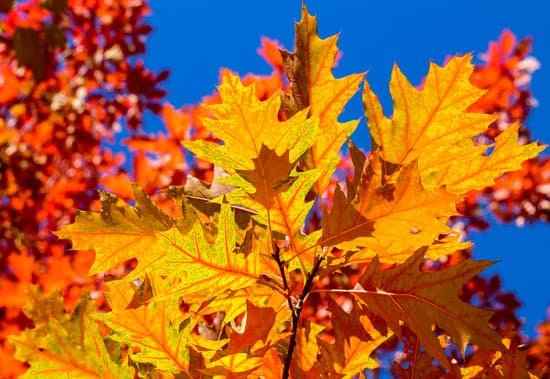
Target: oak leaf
[
  {"x": 435, "y": 115},
  {"x": 122, "y": 232},
  {"x": 271, "y": 176},
  {"x": 288, "y": 215},
  {"x": 356, "y": 338},
  {"x": 231, "y": 303},
  {"x": 434, "y": 126},
  {"x": 155, "y": 328},
  {"x": 343, "y": 223},
  {"x": 208, "y": 269},
  {"x": 424, "y": 299},
  {"x": 258, "y": 330},
  {"x": 307, "y": 347},
  {"x": 272, "y": 367},
  {"x": 390, "y": 219},
  {"x": 473, "y": 169},
  {"x": 239, "y": 365},
  {"x": 313, "y": 86},
  {"x": 66, "y": 346},
  {"x": 245, "y": 124}
]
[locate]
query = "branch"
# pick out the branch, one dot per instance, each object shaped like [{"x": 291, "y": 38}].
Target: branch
[
  {"x": 297, "y": 312},
  {"x": 277, "y": 257}
]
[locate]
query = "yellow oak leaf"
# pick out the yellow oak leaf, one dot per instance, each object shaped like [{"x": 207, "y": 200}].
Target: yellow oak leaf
[
  {"x": 232, "y": 303},
  {"x": 207, "y": 269},
  {"x": 236, "y": 366},
  {"x": 423, "y": 299},
  {"x": 287, "y": 216},
  {"x": 155, "y": 328},
  {"x": 434, "y": 116},
  {"x": 472, "y": 169},
  {"x": 245, "y": 124},
  {"x": 313, "y": 86},
  {"x": 433, "y": 126},
  {"x": 121, "y": 232},
  {"x": 307, "y": 347}
]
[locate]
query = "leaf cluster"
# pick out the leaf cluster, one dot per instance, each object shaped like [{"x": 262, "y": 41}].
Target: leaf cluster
[{"x": 218, "y": 290}]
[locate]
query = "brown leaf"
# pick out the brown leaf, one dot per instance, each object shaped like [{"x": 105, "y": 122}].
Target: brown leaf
[
  {"x": 423, "y": 299},
  {"x": 270, "y": 176},
  {"x": 258, "y": 325},
  {"x": 343, "y": 223}
]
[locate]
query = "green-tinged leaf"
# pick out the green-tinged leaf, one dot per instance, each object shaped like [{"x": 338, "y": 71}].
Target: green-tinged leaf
[
  {"x": 207, "y": 269},
  {"x": 120, "y": 232},
  {"x": 68, "y": 347},
  {"x": 158, "y": 328}
]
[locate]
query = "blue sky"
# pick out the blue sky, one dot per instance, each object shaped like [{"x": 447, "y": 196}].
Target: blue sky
[{"x": 194, "y": 39}]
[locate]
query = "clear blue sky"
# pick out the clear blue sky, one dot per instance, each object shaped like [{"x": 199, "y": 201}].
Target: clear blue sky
[{"x": 194, "y": 39}]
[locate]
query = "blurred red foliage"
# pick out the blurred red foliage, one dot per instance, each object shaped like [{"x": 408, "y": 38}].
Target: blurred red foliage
[
  {"x": 539, "y": 351},
  {"x": 70, "y": 74},
  {"x": 522, "y": 196}
]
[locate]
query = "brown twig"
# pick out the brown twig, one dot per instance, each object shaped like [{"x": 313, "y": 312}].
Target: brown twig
[
  {"x": 277, "y": 257},
  {"x": 296, "y": 314}
]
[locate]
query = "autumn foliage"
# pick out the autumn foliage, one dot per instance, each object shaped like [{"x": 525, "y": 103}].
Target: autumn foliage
[
  {"x": 233, "y": 248},
  {"x": 67, "y": 82}
]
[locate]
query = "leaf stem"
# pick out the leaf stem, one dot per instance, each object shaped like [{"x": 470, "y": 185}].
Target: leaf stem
[{"x": 296, "y": 314}]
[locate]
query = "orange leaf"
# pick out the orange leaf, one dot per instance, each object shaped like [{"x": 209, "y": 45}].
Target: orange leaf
[{"x": 259, "y": 324}]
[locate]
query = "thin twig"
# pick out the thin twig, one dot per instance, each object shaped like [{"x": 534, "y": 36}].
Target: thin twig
[
  {"x": 296, "y": 315},
  {"x": 281, "y": 265},
  {"x": 277, "y": 257}
]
